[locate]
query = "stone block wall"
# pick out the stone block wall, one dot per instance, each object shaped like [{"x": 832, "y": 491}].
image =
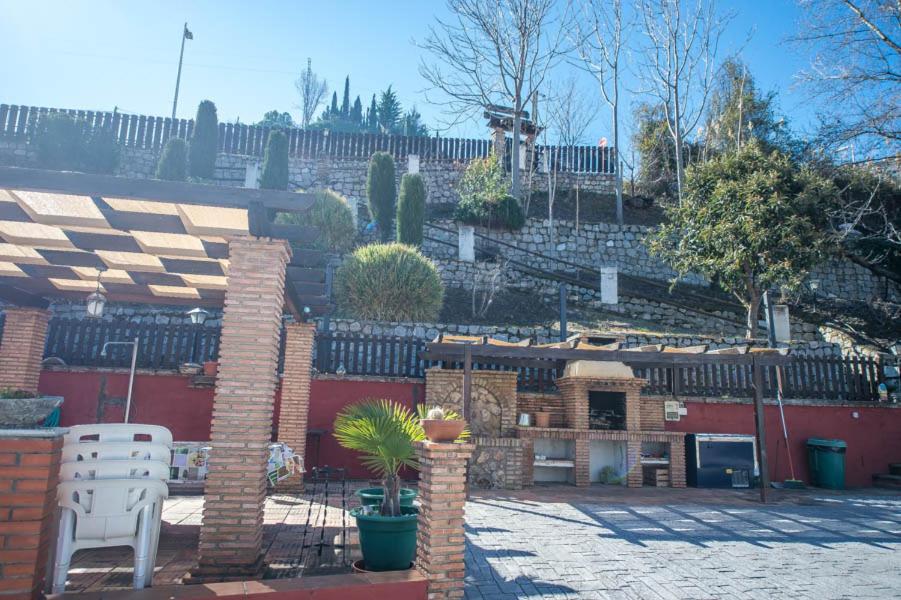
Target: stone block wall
[
  {"x": 498, "y": 463},
  {"x": 493, "y": 398}
]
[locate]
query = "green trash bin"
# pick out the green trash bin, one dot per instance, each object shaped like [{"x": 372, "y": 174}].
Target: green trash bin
[{"x": 826, "y": 461}]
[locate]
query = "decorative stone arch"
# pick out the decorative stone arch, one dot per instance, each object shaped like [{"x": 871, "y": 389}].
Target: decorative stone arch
[{"x": 493, "y": 398}]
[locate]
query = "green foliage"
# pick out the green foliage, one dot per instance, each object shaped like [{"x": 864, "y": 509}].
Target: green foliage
[
  {"x": 484, "y": 200},
  {"x": 389, "y": 282},
  {"x": 389, "y": 111},
  {"x": 384, "y": 431},
  {"x": 749, "y": 221},
  {"x": 173, "y": 165},
  {"x": 65, "y": 143},
  {"x": 331, "y": 214},
  {"x": 656, "y": 160},
  {"x": 411, "y": 209},
  {"x": 381, "y": 192},
  {"x": 413, "y": 125},
  {"x": 275, "y": 162},
  {"x": 8, "y": 393},
  {"x": 204, "y": 141},
  {"x": 277, "y": 120}
]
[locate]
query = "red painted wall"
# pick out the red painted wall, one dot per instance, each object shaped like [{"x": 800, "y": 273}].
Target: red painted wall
[
  {"x": 874, "y": 439},
  {"x": 167, "y": 400}
]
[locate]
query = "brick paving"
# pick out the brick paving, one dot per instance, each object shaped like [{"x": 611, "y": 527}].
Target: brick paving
[{"x": 555, "y": 542}]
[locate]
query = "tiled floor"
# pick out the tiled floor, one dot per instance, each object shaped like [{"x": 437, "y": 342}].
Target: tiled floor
[{"x": 306, "y": 534}]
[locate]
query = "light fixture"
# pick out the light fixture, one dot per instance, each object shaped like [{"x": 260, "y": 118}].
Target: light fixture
[
  {"x": 341, "y": 371},
  {"x": 198, "y": 315},
  {"x": 96, "y": 301}
]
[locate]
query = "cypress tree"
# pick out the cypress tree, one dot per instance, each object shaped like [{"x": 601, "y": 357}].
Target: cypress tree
[
  {"x": 333, "y": 110},
  {"x": 173, "y": 161},
  {"x": 275, "y": 162},
  {"x": 356, "y": 114},
  {"x": 204, "y": 141},
  {"x": 345, "y": 101},
  {"x": 411, "y": 209},
  {"x": 381, "y": 191},
  {"x": 372, "y": 116}
]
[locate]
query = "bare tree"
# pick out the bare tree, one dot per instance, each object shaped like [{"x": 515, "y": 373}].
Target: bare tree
[
  {"x": 485, "y": 287},
  {"x": 494, "y": 52},
  {"x": 312, "y": 91},
  {"x": 601, "y": 39},
  {"x": 682, "y": 38},
  {"x": 855, "y": 71},
  {"x": 569, "y": 114}
]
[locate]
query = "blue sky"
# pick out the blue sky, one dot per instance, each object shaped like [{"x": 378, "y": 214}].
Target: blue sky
[{"x": 245, "y": 56}]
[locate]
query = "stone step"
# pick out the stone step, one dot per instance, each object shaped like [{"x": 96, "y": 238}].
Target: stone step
[
  {"x": 895, "y": 468},
  {"x": 884, "y": 480}
]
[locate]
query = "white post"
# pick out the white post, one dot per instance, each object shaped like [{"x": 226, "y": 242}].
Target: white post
[
  {"x": 609, "y": 284},
  {"x": 466, "y": 241},
  {"x": 781, "y": 323},
  {"x": 252, "y": 175},
  {"x": 412, "y": 163}
]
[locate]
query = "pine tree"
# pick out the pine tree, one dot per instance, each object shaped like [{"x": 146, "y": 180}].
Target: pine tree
[
  {"x": 345, "y": 102},
  {"x": 204, "y": 141},
  {"x": 389, "y": 111}
]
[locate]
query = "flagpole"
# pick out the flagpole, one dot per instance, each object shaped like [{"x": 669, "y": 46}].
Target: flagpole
[{"x": 181, "y": 55}]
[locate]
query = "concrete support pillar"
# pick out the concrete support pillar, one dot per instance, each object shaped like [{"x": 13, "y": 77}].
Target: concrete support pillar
[
  {"x": 295, "y": 404},
  {"x": 232, "y": 528},
  {"x": 609, "y": 285},
  {"x": 252, "y": 174},
  {"x": 29, "y": 473},
  {"x": 499, "y": 143},
  {"x": 412, "y": 164},
  {"x": 22, "y": 348},
  {"x": 440, "y": 538},
  {"x": 466, "y": 243}
]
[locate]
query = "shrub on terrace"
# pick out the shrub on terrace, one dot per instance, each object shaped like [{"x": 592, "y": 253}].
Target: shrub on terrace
[
  {"x": 204, "y": 141},
  {"x": 381, "y": 192},
  {"x": 331, "y": 214},
  {"x": 275, "y": 162},
  {"x": 173, "y": 161},
  {"x": 411, "y": 209}
]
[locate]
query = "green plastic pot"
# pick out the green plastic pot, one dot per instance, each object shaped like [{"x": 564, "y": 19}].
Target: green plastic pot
[
  {"x": 375, "y": 495},
  {"x": 387, "y": 543}
]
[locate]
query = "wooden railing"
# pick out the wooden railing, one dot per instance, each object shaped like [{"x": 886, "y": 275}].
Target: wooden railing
[
  {"x": 151, "y": 133},
  {"x": 79, "y": 342}
]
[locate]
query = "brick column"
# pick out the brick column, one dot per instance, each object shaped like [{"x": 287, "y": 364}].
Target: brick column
[
  {"x": 635, "y": 475},
  {"x": 29, "y": 472},
  {"x": 440, "y": 538},
  {"x": 677, "y": 463},
  {"x": 22, "y": 348},
  {"x": 581, "y": 460},
  {"x": 295, "y": 404},
  {"x": 231, "y": 531}
]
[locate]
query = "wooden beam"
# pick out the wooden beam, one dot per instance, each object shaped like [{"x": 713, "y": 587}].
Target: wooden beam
[
  {"x": 760, "y": 429},
  {"x": 87, "y": 184}
]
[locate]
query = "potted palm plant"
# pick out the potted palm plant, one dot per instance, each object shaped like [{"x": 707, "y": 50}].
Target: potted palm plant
[{"x": 384, "y": 432}]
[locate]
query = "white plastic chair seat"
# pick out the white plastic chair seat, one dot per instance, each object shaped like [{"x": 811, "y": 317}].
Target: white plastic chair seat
[
  {"x": 88, "y": 470},
  {"x": 115, "y": 451},
  {"x": 106, "y": 513},
  {"x": 118, "y": 432}
]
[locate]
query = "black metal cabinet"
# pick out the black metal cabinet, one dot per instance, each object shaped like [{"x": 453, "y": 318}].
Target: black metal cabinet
[{"x": 716, "y": 460}]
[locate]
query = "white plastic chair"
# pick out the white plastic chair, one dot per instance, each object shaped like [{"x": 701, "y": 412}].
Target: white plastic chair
[
  {"x": 105, "y": 513},
  {"x": 118, "y": 432},
  {"x": 89, "y": 470},
  {"x": 115, "y": 451}
]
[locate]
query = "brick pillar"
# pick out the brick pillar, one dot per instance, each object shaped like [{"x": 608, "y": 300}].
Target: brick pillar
[
  {"x": 574, "y": 393},
  {"x": 295, "y": 404},
  {"x": 633, "y": 409},
  {"x": 22, "y": 348},
  {"x": 634, "y": 476},
  {"x": 29, "y": 472},
  {"x": 581, "y": 467},
  {"x": 440, "y": 538},
  {"x": 677, "y": 463},
  {"x": 231, "y": 531}
]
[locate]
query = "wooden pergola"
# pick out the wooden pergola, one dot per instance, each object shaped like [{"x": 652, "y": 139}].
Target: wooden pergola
[{"x": 482, "y": 349}]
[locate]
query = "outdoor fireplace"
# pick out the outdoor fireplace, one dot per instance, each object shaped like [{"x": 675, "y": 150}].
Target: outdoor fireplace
[{"x": 606, "y": 410}]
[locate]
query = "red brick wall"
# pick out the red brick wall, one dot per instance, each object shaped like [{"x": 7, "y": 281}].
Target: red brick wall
[{"x": 29, "y": 471}]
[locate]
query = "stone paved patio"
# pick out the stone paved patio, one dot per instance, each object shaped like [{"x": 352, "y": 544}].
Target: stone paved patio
[{"x": 558, "y": 542}]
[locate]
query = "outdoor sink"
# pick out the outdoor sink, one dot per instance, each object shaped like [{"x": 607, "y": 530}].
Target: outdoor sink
[{"x": 26, "y": 413}]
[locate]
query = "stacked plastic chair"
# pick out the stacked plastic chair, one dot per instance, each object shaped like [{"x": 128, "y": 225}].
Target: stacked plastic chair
[{"x": 111, "y": 493}]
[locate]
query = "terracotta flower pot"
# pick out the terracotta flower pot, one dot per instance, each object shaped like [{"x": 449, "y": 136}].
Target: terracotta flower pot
[
  {"x": 442, "y": 430},
  {"x": 211, "y": 368},
  {"x": 542, "y": 419}
]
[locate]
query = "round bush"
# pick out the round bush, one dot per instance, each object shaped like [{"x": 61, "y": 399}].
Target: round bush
[
  {"x": 331, "y": 214},
  {"x": 59, "y": 142},
  {"x": 389, "y": 282},
  {"x": 173, "y": 165}
]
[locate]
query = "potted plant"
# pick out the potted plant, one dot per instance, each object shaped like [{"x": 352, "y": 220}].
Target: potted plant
[
  {"x": 441, "y": 426},
  {"x": 20, "y": 409},
  {"x": 384, "y": 432}
]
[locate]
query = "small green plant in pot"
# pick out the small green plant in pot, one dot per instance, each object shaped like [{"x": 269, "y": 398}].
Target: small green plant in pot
[{"x": 384, "y": 432}]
